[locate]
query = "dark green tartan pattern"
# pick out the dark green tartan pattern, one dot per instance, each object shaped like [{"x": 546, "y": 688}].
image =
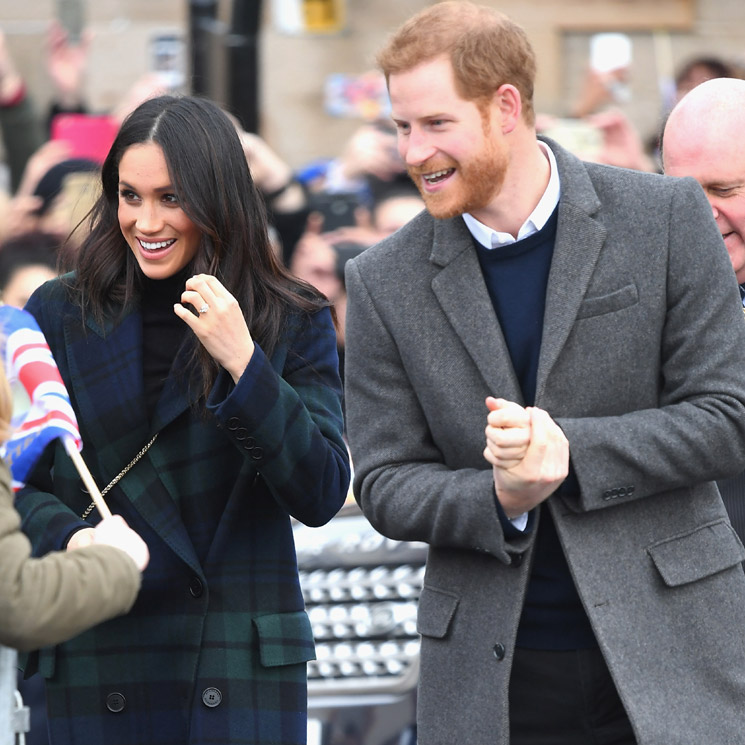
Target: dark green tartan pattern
[{"x": 220, "y": 606}]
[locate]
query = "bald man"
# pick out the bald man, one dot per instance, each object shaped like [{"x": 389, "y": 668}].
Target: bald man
[{"x": 703, "y": 138}]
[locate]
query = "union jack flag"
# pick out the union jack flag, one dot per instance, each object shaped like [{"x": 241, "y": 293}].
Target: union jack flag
[{"x": 41, "y": 404}]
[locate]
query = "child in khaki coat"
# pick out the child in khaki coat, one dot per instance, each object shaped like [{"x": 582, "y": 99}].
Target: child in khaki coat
[{"x": 48, "y": 600}]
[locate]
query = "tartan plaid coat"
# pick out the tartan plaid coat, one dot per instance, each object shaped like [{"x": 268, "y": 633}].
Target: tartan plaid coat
[{"x": 214, "y": 649}]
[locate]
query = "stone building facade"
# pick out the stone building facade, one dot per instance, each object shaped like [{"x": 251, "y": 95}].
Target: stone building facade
[{"x": 294, "y": 66}]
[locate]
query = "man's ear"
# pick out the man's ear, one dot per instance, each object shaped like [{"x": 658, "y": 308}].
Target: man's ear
[{"x": 509, "y": 105}]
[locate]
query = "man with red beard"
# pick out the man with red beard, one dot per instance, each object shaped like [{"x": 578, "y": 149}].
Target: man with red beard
[{"x": 540, "y": 385}]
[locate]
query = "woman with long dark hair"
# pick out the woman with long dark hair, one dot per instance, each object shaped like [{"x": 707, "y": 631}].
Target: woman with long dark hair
[{"x": 205, "y": 381}]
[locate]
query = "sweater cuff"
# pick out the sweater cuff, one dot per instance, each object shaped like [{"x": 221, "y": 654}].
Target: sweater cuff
[{"x": 509, "y": 527}]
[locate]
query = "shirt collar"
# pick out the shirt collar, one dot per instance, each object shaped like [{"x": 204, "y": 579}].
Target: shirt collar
[{"x": 490, "y": 238}]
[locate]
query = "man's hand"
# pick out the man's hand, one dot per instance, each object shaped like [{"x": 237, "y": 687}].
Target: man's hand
[
  {"x": 541, "y": 471},
  {"x": 67, "y": 63},
  {"x": 507, "y": 432},
  {"x": 622, "y": 143}
]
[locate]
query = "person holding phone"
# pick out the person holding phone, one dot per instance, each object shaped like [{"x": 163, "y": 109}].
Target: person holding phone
[{"x": 205, "y": 383}]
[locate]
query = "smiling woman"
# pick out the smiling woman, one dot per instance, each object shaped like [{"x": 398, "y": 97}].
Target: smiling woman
[
  {"x": 179, "y": 321},
  {"x": 161, "y": 235}
]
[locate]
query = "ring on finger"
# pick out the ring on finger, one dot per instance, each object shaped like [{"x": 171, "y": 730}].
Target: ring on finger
[{"x": 204, "y": 308}]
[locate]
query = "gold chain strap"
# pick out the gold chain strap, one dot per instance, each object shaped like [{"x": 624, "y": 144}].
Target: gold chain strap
[{"x": 122, "y": 473}]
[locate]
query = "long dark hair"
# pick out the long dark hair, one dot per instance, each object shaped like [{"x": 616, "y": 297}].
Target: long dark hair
[{"x": 212, "y": 182}]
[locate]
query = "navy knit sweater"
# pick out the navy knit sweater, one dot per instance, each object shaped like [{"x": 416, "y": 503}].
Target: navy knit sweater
[{"x": 516, "y": 277}]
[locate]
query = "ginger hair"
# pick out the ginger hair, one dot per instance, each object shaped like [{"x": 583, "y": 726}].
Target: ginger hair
[{"x": 486, "y": 49}]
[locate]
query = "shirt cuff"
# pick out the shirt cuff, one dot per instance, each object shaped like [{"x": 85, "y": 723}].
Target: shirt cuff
[{"x": 513, "y": 527}]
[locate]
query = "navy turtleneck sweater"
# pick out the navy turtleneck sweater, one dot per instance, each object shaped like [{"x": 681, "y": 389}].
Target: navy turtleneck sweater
[
  {"x": 162, "y": 331},
  {"x": 516, "y": 277}
]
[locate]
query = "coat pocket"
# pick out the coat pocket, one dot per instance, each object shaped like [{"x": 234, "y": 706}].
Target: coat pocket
[
  {"x": 701, "y": 553},
  {"x": 285, "y": 639},
  {"x": 436, "y": 612},
  {"x": 613, "y": 301}
]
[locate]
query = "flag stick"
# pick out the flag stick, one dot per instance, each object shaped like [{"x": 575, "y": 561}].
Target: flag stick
[{"x": 85, "y": 474}]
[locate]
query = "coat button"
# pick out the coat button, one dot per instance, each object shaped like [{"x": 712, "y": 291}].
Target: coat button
[
  {"x": 257, "y": 454},
  {"x": 499, "y": 651},
  {"x": 233, "y": 423},
  {"x": 196, "y": 588},
  {"x": 241, "y": 434},
  {"x": 115, "y": 702},
  {"x": 211, "y": 697}
]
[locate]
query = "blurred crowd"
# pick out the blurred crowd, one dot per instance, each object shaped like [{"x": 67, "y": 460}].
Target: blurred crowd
[{"x": 321, "y": 214}]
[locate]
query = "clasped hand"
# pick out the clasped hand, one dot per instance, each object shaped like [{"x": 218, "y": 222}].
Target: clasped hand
[{"x": 528, "y": 452}]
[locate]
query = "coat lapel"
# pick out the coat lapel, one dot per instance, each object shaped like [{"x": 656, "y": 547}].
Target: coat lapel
[
  {"x": 106, "y": 375},
  {"x": 579, "y": 238},
  {"x": 461, "y": 291},
  {"x": 106, "y": 380}
]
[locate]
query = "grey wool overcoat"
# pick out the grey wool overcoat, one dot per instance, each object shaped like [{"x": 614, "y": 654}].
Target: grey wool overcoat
[{"x": 641, "y": 365}]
